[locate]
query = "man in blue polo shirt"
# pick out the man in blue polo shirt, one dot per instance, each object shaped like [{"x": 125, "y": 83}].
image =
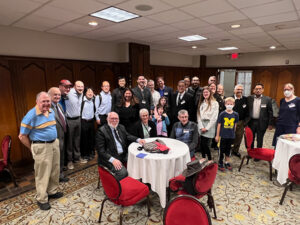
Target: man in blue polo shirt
[{"x": 38, "y": 133}]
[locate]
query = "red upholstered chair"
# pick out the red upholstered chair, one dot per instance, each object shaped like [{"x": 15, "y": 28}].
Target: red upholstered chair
[
  {"x": 186, "y": 210},
  {"x": 125, "y": 192},
  {"x": 202, "y": 183},
  {"x": 5, "y": 163},
  {"x": 265, "y": 154},
  {"x": 294, "y": 175}
]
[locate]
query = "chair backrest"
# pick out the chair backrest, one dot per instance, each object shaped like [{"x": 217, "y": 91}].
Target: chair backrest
[
  {"x": 205, "y": 179},
  {"x": 294, "y": 165},
  {"x": 6, "y": 146},
  {"x": 248, "y": 138},
  {"x": 186, "y": 210},
  {"x": 111, "y": 185}
]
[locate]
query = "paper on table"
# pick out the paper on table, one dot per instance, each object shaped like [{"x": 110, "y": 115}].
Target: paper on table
[{"x": 141, "y": 155}]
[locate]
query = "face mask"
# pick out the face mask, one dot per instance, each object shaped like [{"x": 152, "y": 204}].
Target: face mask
[
  {"x": 229, "y": 107},
  {"x": 287, "y": 93}
]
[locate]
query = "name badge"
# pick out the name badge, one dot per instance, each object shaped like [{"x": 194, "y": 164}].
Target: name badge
[
  {"x": 244, "y": 106},
  {"x": 263, "y": 106},
  {"x": 166, "y": 93},
  {"x": 143, "y": 102},
  {"x": 292, "y": 105},
  {"x": 182, "y": 102},
  {"x": 149, "y": 128},
  {"x": 185, "y": 131}
]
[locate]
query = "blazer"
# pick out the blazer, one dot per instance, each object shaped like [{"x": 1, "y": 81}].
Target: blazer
[
  {"x": 138, "y": 131},
  {"x": 59, "y": 126},
  {"x": 168, "y": 92},
  {"x": 106, "y": 145},
  {"x": 266, "y": 111},
  {"x": 146, "y": 100},
  {"x": 116, "y": 97},
  {"x": 185, "y": 103}
]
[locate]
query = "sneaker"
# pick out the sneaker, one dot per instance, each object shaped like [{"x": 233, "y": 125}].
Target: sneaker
[
  {"x": 44, "y": 206},
  {"x": 221, "y": 167},
  {"x": 70, "y": 166},
  {"x": 56, "y": 195},
  {"x": 228, "y": 166},
  {"x": 83, "y": 161}
]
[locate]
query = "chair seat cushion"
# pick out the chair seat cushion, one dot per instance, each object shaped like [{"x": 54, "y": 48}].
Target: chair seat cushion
[
  {"x": 132, "y": 192},
  {"x": 176, "y": 182},
  {"x": 2, "y": 166},
  {"x": 265, "y": 154},
  {"x": 293, "y": 178}
]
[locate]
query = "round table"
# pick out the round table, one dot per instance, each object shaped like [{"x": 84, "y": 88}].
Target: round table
[
  {"x": 156, "y": 168},
  {"x": 285, "y": 149}
]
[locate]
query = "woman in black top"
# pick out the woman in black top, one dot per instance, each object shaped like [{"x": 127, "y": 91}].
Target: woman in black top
[{"x": 128, "y": 110}]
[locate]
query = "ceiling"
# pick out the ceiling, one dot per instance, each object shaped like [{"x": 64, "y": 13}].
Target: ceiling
[{"x": 263, "y": 22}]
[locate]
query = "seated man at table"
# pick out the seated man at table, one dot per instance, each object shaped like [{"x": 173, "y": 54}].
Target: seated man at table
[
  {"x": 112, "y": 141},
  {"x": 185, "y": 131},
  {"x": 144, "y": 128}
]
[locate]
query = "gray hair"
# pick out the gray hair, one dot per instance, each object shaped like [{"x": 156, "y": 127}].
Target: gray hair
[
  {"x": 238, "y": 85},
  {"x": 181, "y": 81},
  {"x": 52, "y": 89},
  {"x": 183, "y": 112},
  {"x": 150, "y": 81},
  {"x": 42, "y": 93},
  {"x": 143, "y": 111}
]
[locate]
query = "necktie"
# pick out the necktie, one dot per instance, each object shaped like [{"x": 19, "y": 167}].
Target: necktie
[
  {"x": 117, "y": 136},
  {"x": 62, "y": 119}
]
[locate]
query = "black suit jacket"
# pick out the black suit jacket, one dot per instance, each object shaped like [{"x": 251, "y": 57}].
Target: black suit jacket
[
  {"x": 266, "y": 112},
  {"x": 185, "y": 103},
  {"x": 59, "y": 126},
  {"x": 138, "y": 129},
  {"x": 145, "y": 101},
  {"x": 106, "y": 145},
  {"x": 168, "y": 92}
]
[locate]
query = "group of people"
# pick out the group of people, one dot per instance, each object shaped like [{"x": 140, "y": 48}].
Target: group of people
[{"x": 60, "y": 129}]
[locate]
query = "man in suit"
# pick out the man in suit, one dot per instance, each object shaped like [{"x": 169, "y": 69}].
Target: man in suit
[
  {"x": 164, "y": 90},
  {"x": 261, "y": 113},
  {"x": 112, "y": 141},
  {"x": 181, "y": 100},
  {"x": 196, "y": 91},
  {"x": 143, "y": 94},
  {"x": 144, "y": 128},
  {"x": 61, "y": 127}
]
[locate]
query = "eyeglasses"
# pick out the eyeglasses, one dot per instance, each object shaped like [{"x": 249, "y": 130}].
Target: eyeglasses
[{"x": 114, "y": 118}]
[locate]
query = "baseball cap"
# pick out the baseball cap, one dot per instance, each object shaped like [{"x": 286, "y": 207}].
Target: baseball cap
[{"x": 65, "y": 83}]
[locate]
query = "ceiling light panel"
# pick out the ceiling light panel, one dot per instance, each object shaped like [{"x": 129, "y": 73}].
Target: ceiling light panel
[
  {"x": 114, "y": 14},
  {"x": 228, "y": 48},
  {"x": 192, "y": 38}
]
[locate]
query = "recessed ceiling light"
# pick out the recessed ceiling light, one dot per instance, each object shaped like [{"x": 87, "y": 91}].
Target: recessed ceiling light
[
  {"x": 234, "y": 26},
  {"x": 114, "y": 14},
  {"x": 192, "y": 38},
  {"x": 194, "y": 47},
  {"x": 143, "y": 7},
  {"x": 272, "y": 47},
  {"x": 93, "y": 23},
  {"x": 227, "y": 48}
]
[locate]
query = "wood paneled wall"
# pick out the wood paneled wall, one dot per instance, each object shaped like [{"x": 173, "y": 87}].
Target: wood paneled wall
[{"x": 22, "y": 78}]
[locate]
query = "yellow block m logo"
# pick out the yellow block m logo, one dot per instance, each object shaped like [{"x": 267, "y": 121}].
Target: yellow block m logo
[{"x": 229, "y": 123}]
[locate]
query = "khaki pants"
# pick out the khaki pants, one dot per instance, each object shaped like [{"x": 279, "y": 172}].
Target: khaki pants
[
  {"x": 239, "y": 132},
  {"x": 46, "y": 166}
]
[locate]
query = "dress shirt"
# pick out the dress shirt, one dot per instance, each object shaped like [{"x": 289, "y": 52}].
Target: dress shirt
[
  {"x": 118, "y": 144},
  {"x": 88, "y": 109},
  {"x": 155, "y": 96},
  {"x": 179, "y": 97},
  {"x": 73, "y": 103},
  {"x": 161, "y": 91},
  {"x": 105, "y": 106},
  {"x": 146, "y": 130},
  {"x": 256, "y": 107}
]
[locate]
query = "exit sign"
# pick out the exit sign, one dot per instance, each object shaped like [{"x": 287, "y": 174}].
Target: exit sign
[{"x": 234, "y": 55}]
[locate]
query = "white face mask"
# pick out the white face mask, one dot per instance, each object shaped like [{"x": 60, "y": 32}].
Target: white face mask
[
  {"x": 229, "y": 107},
  {"x": 287, "y": 93}
]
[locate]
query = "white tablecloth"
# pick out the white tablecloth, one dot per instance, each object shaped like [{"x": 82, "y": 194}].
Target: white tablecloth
[
  {"x": 285, "y": 149},
  {"x": 157, "y": 168}
]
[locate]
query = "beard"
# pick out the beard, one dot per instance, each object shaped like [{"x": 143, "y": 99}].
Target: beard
[{"x": 111, "y": 125}]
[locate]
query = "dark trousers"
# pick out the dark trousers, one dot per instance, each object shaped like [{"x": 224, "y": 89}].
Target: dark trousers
[
  {"x": 205, "y": 147},
  {"x": 239, "y": 132},
  {"x": 73, "y": 148},
  {"x": 257, "y": 132},
  {"x": 62, "y": 151},
  {"x": 225, "y": 147},
  {"x": 283, "y": 129},
  {"x": 122, "y": 173},
  {"x": 103, "y": 120},
  {"x": 87, "y": 139}
]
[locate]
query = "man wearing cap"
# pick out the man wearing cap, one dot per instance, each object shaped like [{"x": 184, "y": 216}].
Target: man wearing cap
[
  {"x": 64, "y": 87},
  {"x": 73, "y": 108},
  {"x": 38, "y": 133}
]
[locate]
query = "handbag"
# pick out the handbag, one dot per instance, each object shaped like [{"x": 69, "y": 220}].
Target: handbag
[{"x": 157, "y": 146}]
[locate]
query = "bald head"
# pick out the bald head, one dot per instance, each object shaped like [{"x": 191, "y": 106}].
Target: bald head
[
  {"x": 105, "y": 86},
  {"x": 55, "y": 94},
  {"x": 79, "y": 87}
]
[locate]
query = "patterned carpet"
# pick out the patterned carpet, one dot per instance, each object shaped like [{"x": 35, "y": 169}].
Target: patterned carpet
[{"x": 246, "y": 198}]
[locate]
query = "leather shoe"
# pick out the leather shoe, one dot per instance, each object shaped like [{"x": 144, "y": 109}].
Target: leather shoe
[
  {"x": 237, "y": 154},
  {"x": 44, "y": 206},
  {"x": 56, "y": 195},
  {"x": 63, "y": 179}
]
